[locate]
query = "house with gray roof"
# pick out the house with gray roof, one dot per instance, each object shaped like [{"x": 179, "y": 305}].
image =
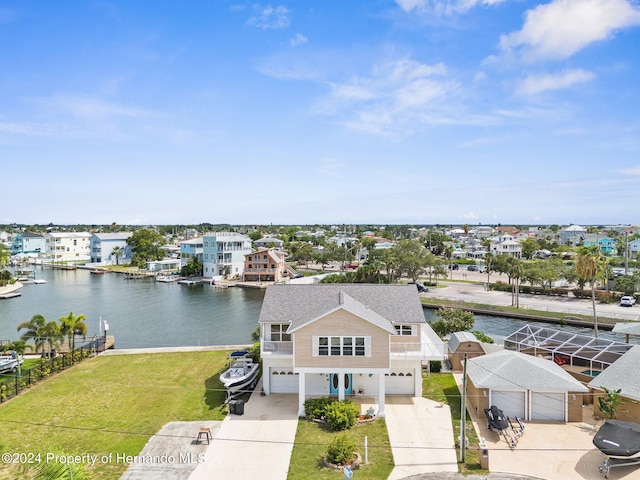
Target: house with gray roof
[
  {"x": 524, "y": 386},
  {"x": 343, "y": 340},
  {"x": 623, "y": 375}
]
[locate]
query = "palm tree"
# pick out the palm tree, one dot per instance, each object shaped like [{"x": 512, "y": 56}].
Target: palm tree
[
  {"x": 34, "y": 330},
  {"x": 19, "y": 347},
  {"x": 117, "y": 252},
  {"x": 73, "y": 325},
  {"x": 51, "y": 333},
  {"x": 589, "y": 266},
  {"x": 448, "y": 253}
]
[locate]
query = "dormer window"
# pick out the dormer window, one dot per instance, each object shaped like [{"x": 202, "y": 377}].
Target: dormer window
[{"x": 406, "y": 330}]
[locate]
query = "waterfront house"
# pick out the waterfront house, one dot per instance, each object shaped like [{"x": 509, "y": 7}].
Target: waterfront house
[
  {"x": 67, "y": 246},
  {"x": 192, "y": 248},
  {"x": 607, "y": 245},
  {"x": 343, "y": 340},
  {"x": 223, "y": 254},
  {"x": 634, "y": 248},
  {"x": 572, "y": 235},
  {"x": 265, "y": 265},
  {"x": 101, "y": 247},
  {"x": 524, "y": 386},
  {"x": 28, "y": 243}
]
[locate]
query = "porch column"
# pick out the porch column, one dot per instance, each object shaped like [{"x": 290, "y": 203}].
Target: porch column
[
  {"x": 266, "y": 377},
  {"x": 417, "y": 382},
  {"x": 301, "y": 394},
  {"x": 340, "y": 386},
  {"x": 381, "y": 394}
]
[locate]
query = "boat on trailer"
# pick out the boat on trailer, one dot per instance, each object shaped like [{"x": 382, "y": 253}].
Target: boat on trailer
[
  {"x": 242, "y": 374},
  {"x": 9, "y": 363},
  {"x": 619, "y": 442}
]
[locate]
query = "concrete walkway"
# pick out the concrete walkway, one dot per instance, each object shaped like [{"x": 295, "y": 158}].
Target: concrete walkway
[
  {"x": 421, "y": 436},
  {"x": 257, "y": 444}
]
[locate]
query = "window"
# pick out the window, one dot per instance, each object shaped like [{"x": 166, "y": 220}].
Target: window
[
  {"x": 279, "y": 333},
  {"x": 342, "y": 346},
  {"x": 405, "y": 329}
]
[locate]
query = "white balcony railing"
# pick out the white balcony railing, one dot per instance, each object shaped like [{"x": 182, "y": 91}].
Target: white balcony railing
[{"x": 276, "y": 348}]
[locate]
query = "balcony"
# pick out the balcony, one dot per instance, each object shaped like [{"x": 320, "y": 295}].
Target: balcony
[{"x": 268, "y": 347}]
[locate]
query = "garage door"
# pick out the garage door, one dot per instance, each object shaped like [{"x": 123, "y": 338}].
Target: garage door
[
  {"x": 283, "y": 381},
  {"x": 547, "y": 406},
  {"x": 400, "y": 382},
  {"x": 511, "y": 403}
]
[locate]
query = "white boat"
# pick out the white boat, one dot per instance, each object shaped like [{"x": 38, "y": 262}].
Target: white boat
[
  {"x": 242, "y": 374},
  {"x": 9, "y": 363},
  {"x": 167, "y": 277}
]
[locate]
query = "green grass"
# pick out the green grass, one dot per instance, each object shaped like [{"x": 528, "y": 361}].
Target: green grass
[
  {"x": 442, "y": 387},
  {"x": 112, "y": 404},
  {"x": 312, "y": 440}
]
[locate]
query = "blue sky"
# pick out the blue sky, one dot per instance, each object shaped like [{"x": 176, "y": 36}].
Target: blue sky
[{"x": 359, "y": 111}]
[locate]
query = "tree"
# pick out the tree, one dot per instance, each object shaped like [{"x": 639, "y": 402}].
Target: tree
[
  {"x": 589, "y": 266},
  {"x": 73, "y": 325},
  {"x": 411, "y": 258},
  {"x": 448, "y": 253},
  {"x": 514, "y": 270},
  {"x": 387, "y": 257},
  {"x": 5, "y": 256},
  {"x": 33, "y": 329},
  {"x": 146, "y": 246},
  {"x": 452, "y": 320},
  {"x": 529, "y": 246},
  {"x": 610, "y": 402},
  {"x": 52, "y": 334},
  {"x": 117, "y": 252}
]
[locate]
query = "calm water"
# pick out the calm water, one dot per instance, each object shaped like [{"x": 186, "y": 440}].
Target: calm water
[
  {"x": 144, "y": 313},
  {"x": 140, "y": 313}
]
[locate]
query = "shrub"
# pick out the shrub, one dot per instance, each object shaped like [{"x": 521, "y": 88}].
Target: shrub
[
  {"x": 316, "y": 409},
  {"x": 606, "y": 297},
  {"x": 342, "y": 415},
  {"x": 435, "y": 366},
  {"x": 483, "y": 337},
  {"x": 341, "y": 450}
]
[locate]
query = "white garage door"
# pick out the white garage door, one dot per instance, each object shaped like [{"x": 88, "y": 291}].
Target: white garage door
[
  {"x": 511, "y": 403},
  {"x": 400, "y": 382},
  {"x": 547, "y": 406},
  {"x": 283, "y": 381}
]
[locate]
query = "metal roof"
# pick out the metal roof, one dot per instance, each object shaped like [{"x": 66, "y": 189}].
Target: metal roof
[{"x": 596, "y": 353}]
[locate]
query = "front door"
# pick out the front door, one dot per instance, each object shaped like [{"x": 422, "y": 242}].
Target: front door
[{"x": 333, "y": 388}]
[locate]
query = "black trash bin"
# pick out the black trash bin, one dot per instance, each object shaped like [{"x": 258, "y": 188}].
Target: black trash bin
[
  {"x": 232, "y": 406},
  {"x": 239, "y": 407}
]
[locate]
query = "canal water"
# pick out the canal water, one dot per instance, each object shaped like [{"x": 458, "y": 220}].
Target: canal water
[{"x": 144, "y": 313}]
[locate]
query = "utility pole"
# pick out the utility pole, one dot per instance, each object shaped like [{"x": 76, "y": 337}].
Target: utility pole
[{"x": 463, "y": 412}]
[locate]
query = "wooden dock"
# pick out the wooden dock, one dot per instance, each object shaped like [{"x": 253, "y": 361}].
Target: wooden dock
[{"x": 10, "y": 295}]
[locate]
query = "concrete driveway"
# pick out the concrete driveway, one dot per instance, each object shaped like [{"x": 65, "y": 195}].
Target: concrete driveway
[
  {"x": 421, "y": 436},
  {"x": 257, "y": 444}
]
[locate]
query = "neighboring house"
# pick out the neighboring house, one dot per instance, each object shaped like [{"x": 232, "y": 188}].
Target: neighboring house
[
  {"x": 265, "y": 265},
  {"x": 524, "y": 386},
  {"x": 268, "y": 242},
  {"x": 506, "y": 245},
  {"x": 189, "y": 249},
  {"x": 166, "y": 265},
  {"x": 634, "y": 248},
  {"x": 223, "y": 254},
  {"x": 607, "y": 245},
  {"x": 344, "y": 340},
  {"x": 67, "y": 246},
  {"x": 622, "y": 374},
  {"x": 101, "y": 247},
  {"x": 28, "y": 242},
  {"x": 572, "y": 235},
  {"x": 461, "y": 344}
]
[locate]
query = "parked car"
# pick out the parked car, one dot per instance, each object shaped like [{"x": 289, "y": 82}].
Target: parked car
[
  {"x": 455, "y": 266},
  {"x": 472, "y": 268},
  {"x": 482, "y": 268},
  {"x": 627, "y": 301},
  {"x": 421, "y": 288},
  {"x": 297, "y": 275}
]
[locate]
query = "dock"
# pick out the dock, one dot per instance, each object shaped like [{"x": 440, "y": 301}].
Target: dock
[{"x": 9, "y": 295}]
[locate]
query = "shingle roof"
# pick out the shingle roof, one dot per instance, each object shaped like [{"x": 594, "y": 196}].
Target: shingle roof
[
  {"x": 300, "y": 304},
  {"x": 515, "y": 371},
  {"x": 627, "y": 328},
  {"x": 623, "y": 374},
  {"x": 456, "y": 338}
]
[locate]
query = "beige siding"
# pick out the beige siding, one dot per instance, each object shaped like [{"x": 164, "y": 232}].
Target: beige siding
[
  {"x": 478, "y": 398},
  {"x": 410, "y": 343},
  {"x": 338, "y": 324}
]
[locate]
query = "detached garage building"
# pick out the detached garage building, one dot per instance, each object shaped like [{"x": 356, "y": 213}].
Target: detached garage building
[{"x": 524, "y": 386}]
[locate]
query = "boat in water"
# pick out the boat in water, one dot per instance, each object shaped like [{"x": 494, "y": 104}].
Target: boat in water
[
  {"x": 9, "y": 363},
  {"x": 242, "y": 374}
]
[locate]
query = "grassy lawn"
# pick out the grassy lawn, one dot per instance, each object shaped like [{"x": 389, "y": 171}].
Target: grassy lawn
[
  {"x": 112, "y": 404},
  {"x": 442, "y": 387},
  {"x": 311, "y": 444}
]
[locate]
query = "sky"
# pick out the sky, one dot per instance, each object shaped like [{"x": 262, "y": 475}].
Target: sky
[{"x": 320, "y": 112}]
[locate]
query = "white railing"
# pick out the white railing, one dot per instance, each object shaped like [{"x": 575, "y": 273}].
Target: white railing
[{"x": 276, "y": 348}]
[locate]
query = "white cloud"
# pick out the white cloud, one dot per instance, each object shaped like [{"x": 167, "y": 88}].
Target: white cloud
[
  {"x": 270, "y": 17},
  {"x": 633, "y": 171},
  {"x": 89, "y": 107},
  {"x": 534, "y": 84},
  {"x": 470, "y": 216},
  {"x": 298, "y": 39},
  {"x": 561, "y": 28},
  {"x": 443, "y": 7}
]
